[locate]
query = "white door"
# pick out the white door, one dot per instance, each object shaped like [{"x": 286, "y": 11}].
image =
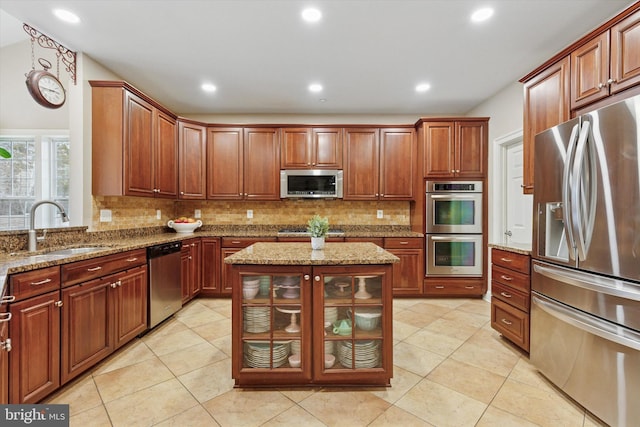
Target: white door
[{"x": 518, "y": 206}]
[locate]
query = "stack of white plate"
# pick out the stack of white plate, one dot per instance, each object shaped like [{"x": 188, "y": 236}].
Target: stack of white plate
[
  {"x": 295, "y": 347},
  {"x": 330, "y": 314},
  {"x": 256, "y": 319},
  {"x": 258, "y": 354},
  {"x": 328, "y": 347},
  {"x": 367, "y": 354}
]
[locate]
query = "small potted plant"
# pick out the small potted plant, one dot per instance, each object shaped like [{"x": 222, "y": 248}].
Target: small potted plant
[{"x": 318, "y": 227}]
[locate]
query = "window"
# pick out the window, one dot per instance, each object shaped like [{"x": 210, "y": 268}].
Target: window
[{"x": 38, "y": 169}]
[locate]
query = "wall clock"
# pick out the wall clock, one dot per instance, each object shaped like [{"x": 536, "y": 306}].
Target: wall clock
[{"x": 44, "y": 87}]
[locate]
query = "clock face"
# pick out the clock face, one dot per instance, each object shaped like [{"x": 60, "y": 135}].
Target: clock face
[{"x": 51, "y": 90}]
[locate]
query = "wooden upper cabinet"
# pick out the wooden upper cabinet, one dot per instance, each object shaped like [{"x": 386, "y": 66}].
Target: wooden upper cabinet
[
  {"x": 193, "y": 160},
  {"x": 625, "y": 53},
  {"x": 225, "y": 164},
  {"x": 546, "y": 104},
  {"x": 454, "y": 148},
  {"x": 134, "y": 143},
  {"x": 590, "y": 71},
  {"x": 261, "y": 164},
  {"x": 362, "y": 162},
  {"x": 398, "y": 159},
  {"x": 311, "y": 148}
]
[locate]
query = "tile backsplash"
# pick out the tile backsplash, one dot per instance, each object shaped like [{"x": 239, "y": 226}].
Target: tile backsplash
[{"x": 130, "y": 212}]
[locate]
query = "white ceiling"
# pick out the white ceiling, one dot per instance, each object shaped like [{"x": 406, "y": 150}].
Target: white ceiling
[{"x": 368, "y": 54}]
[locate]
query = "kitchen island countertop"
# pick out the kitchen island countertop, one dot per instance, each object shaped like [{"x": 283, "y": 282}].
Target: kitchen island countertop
[{"x": 340, "y": 253}]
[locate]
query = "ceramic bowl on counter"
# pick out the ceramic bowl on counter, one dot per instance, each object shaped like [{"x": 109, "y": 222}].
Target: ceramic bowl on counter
[{"x": 184, "y": 227}]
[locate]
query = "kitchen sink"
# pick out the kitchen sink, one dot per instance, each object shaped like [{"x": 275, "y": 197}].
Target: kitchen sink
[{"x": 76, "y": 251}]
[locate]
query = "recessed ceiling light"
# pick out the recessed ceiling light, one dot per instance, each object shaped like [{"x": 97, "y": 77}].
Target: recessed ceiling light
[
  {"x": 208, "y": 87},
  {"x": 315, "y": 87},
  {"x": 311, "y": 15},
  {"x": 66, "y": 16},
  {"x": 423, "y": 87},
  {"x": 482, "y": 14}
]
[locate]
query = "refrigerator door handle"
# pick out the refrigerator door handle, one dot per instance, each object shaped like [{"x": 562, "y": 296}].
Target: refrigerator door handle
[
  {"x": 581, "y": 236},
  {"x": 600, "y": 284},
  {"x": 566, "y": 187},
  {"x": 610, "y": 332}
]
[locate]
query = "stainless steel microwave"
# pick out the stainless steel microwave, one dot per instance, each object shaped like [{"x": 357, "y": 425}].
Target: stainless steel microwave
[{"x": 311, "y": 183}]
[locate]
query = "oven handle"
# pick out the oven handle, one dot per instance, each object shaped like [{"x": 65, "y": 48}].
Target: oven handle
[
  {"x": 604, "y": 285},
  {"x": 453, "y": 237},
  {"x": 608, "y": 331},
  {"x": 453, "y": 196}
]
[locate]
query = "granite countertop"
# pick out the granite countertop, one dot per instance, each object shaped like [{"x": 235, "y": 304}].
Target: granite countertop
[
  {"x": 339, "y": 253},
  {"x": 116, "y": 242},
  {"x": 512, "y": 247}
]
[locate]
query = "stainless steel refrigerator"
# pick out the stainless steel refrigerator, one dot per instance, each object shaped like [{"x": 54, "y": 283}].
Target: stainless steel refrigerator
[{"x": 585, "y": 315}]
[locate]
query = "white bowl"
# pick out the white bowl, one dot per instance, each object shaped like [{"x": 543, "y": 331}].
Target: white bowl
[
  {"x": 250, "y": 293},
  {"x": 184, "y": 227},
  {"x": 294, "y": 361},
  {"x": 367, "y": 319},
  {"x": 329, "y": 360}
]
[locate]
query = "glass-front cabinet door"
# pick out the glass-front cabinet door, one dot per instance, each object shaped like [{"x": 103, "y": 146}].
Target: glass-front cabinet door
[
  {"x": 352, "y": 312},
  {"x": 273, "y": 325}
]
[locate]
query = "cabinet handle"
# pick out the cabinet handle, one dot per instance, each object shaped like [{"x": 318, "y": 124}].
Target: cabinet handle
[
  {"x": 316, "y": 278},
  {"x": 235, "y": 242},
  {"x": 469, "y": 287},
  {"x": 5, "y": 317},
  {"x": 6, "y": 344},
  {"x": 453, "y": 171},
  {"x": 507, "y": 278},
  {"x": 58, "y": 303},
  {"x": 182, "y": 193},
  {"x": 94, "y": 268},
  {"x": 114, "y": 285},
  {"x": 439, "y": 287},
  {"x": 41, "y": 282},
  {"x": 7, "y": 298},
  {"x": 306, "y": 277},
  {"x": 134, "y": 259},
  {"x": 506, "y": 322},
  {"x": 190, "y": 257},
  {"x": 600, "y": 85},
  {"x": 611, "y": 81},
  {"x": 506, "y": 295},
  {"x": 193, "y": 244},
  {"x": 457, "y": 170},
  {"x": 506, "y": 260},
  {"x": 404, "y": 243},
  {"x": 119, "y": 282}
]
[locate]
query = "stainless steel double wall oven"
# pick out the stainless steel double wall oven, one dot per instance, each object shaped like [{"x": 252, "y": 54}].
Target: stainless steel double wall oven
[{"x": 453, "y": 228}]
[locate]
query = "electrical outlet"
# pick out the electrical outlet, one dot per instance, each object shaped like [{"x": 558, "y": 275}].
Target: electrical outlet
[
  {"x": 380, "y": 214},
  {"x": 249, "y": 213},
  {"x": 158, "y": 214},
  {"x": 105, "y": 215},
  {"x": 197, "y": 214}
]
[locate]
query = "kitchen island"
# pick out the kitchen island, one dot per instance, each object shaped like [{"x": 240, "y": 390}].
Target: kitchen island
[{"x": 312, "y": 317}]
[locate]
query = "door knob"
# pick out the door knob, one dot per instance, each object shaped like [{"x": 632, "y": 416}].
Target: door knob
[{"x": 508, "y": 233}]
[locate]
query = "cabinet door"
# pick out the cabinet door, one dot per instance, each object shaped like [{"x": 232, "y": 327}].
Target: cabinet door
[
  {"x": 226, "y": 282},
  {"x": 408, "y": 274},
  {"x": 590, "y": 71},
  {"x": 86, "y": 326},
  {"x": 398, "y": 151},
  {"x": 625, "y": 53},
  {"x": 130, "y": 305},
  {"x": 139, "y": 150},
  {"x": 193, "y": 161},
  {"x": 185, "y": 272},
  {"x": 546, "y": 104},
  {"x": 296, "y": 148},
  {"x": 471, "y": 149},
  {"x": 34, "y": 361},
  {"x": 166, "y": 157},
  {"x": 5, "y": 348},
  {"x": 210, "y": 266},
  {"x": 261, "y": 164},
  {"x": 327, "y": 148},
  {"x": 225, "y": 163},
  {"x": 196, "y": 271},
  {"x": 361, "y": 154},
  {"x": 439, "y": 149}
]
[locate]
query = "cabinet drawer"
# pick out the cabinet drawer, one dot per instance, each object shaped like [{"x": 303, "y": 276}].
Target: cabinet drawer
[
  {"x": 512, "y": 260},
  {"x": 454, "y": 288},
  {"x": 511, "y": 278},
  {"x": 82, "y": 271},
  {"x": 512, "y": 323},
  {"x": 243, "y": 242},
  {"x": 403, "y": 242},
  {"x": 36, "y": 282},
  {"x": 511, "y": 296}
]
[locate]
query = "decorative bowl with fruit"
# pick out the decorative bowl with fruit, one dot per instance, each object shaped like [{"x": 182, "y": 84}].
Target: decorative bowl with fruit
[{"x": 184, "y": 224}]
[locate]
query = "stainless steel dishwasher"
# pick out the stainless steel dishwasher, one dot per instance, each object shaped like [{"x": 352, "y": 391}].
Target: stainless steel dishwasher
[{"x": 165, "y": 294}]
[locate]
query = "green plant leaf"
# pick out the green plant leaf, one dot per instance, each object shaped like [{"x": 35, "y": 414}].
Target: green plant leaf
[
  {"x": 4, "y": 153},
  {"x": 318, "y": 226}
]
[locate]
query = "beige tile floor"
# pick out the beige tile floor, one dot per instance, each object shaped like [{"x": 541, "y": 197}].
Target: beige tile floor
[{"x": 450, "y": 369}]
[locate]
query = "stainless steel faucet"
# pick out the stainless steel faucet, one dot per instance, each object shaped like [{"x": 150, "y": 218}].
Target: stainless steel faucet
[{"x": 32, "y": 223}]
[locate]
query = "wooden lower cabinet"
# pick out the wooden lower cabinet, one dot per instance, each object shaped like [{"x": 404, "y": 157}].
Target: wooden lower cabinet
[
  {"x": 210, "y": 263},
  {"x": 130, "y": 305},
  {"x": 229, "y": 246},
  {"x": 454, "y": 287},
  {"x": 408, "y": 274},
  {"x": 5, "y": 348},
  {"x": 294, "y": 330},
  {"x": 511, "y": 295},
  {"x": 34, "y": 360},
  {"x": 190, "y": 262}
]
